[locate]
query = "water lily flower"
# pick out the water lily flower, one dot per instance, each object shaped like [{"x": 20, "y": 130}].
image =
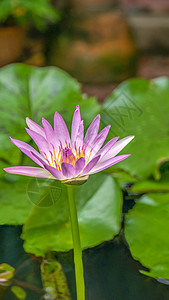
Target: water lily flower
[{"x": 68, "y": 158}]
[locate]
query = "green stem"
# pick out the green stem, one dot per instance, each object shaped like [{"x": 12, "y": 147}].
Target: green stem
[{"x": 80, "y": 287}]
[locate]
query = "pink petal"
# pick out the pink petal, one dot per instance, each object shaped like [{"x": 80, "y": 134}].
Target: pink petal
[
  {"x": 92, "y": 131},
  {"x": 90, "y": 165},
  {"x": 39, "y": 140},
  {"x": 50, "y": 135},
  {"x": 68, "y": 170},
  {"x": 75, "y": 124},
  {"x": 98, "y": 142},
  {"x": 108, "y": 146},
  {"x": 108, "y": 163},
  {"x": 27, "y": 149},
  {"x": 30, "y": 171},
  {"x": 117, "y": 147},
  {"x": 35, "y": 127},
  {"x": 55, "y": 172},
  {"x": 61, "y": 131},
  {"x": 80, "y": 135},
  {"x": 79, "y": 165}
]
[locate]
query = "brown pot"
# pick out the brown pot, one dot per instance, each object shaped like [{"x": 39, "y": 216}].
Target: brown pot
[{"x": 12, "y": 40}]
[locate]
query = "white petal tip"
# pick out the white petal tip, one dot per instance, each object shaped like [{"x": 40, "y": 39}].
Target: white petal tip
[{"x": 131, "y": 137}]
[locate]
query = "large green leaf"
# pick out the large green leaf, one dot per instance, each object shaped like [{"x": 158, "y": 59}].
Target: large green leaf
[
  {"x": 99, "y": 203},
  {"x": 15, "y": 206},
  {"x": 141, "y": 107},
  {"x": 27, "y": 91},
  {"x": 146, "y": 231}
]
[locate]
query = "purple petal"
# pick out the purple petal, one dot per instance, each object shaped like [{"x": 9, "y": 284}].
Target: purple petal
[
  {"x": 98, "y": 142},
  {"x": 117, "y": 148},
  {"x": 61, "y": 131},
  {"x": 75, "y": 124},
  {"x": 27, "y": 149},
  {"x": 108, "y": 163},
  {"x": 50, "y": 135},
  {"x": 108, "y": 146},
  {"x": 35, "y": 127},
  {"x": 55, "y": 172},
  {"x": 90, "y": 165},
  {"x": 39, "y": 140},
  {"x": 68, "y": 170},
  {"x": 92, "y": 131},
  {"x": 79, "y": 165},
  {"x": 29, "y": 171}
]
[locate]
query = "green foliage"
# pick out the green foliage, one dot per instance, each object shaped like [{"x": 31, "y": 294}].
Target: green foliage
[
  {"x": 19, "y": 292},
  {"x": 28, "y": 12},
  {"x": 140, "y": 107},
  {"x": 146, "y": 231},
  {"x": 54, "y": 280},
  {"x": 151, "y": 185},
  {"x": 99, "y": 203},
  {"x": 15, "y": 206}
]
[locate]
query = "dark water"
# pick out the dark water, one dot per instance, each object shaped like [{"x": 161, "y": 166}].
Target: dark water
[{"x": 110, "y": 271}]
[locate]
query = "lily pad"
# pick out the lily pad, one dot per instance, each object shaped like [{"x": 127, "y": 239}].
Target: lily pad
[
  {"x": 99, "y": 203},
  {"x": 151, "y": 185},
  {"x": 140, "y": 107},
  {"x": 147, "y": 186},
  {"x": 15, "y": 206},
  {"x": 122, "y": 177},
  {"x": 146, "y": 231},
  {"x": 33, "y": 92}
]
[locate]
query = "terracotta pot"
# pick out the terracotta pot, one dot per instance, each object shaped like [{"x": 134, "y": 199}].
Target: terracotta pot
[{"x": 12, "y": 40}]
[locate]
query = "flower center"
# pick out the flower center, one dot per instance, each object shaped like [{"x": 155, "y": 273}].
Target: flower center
[
  {"x": 64, "y": 155},
  {"x": 68, "y": 156}
]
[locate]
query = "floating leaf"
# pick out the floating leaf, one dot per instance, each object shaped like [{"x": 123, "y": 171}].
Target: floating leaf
[
  {"x": 140, "y": 107},
  {"x": 151, "y": 185},
  {"x": 54, "y": 280},
  {"x": 19, "y": 292},
  {"x": 15, "y": 206},
  {"x": 122, "y": 177},
  {"x": 146, "y": 231},
  {"x": 99, "y": 203}
]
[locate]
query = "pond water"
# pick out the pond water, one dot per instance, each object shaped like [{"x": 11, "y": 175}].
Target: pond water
[{"x": 110, "y": 271}]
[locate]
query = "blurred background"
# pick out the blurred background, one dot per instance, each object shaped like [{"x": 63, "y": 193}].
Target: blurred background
[{"x": 100, "y": 42}]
